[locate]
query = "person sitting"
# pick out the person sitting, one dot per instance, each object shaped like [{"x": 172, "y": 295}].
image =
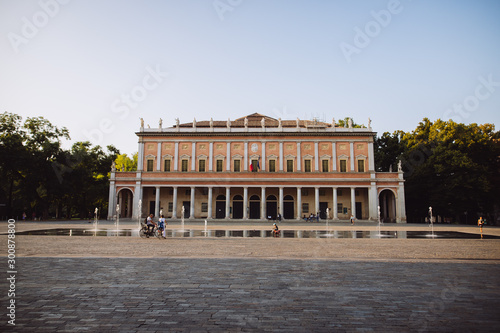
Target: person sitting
[
  {"x": 151, "y": 225},
  {"x": 276, "y": 230}
]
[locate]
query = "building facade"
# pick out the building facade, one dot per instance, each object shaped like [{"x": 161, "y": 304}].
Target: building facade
[{"x": 257, "y": 167}]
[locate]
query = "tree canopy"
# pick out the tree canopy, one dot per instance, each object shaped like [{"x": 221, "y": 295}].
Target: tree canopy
[
  {"x": 41, "y": 178},
  {"x": 450, "y": 166}
]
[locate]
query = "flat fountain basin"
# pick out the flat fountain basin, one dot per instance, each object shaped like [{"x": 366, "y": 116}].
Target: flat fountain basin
[{"x": 196, "y": 233}]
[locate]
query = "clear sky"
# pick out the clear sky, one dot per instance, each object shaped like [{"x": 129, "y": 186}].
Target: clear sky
[{"x": 97, "y": 66}]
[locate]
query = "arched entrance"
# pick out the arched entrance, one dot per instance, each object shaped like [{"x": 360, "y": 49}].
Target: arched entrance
[
  {"x": 125, "y": 199},
  {"x": 387, "y": 203},
  {"x": 271, "y": 207},
  {"x": 237, "y": 207},
  {"x": 254, "y": 207},
  {"x": 288, "y": 207},
  {"x": 220, "y": 207}
]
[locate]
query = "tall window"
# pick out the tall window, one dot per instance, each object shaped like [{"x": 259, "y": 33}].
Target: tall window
[
  {"x": 325, "y": 164},
  {"x": 343, "y": 165},
  {"x": 201, "y": 165},
  {"x": 204, "y": 207},
  {"x": 307, "y": 165},
  {"x": 219, "y": 165},
  {"x": 305, "y": 208},
  {"x": 184, "y": 165},
  {"x": 289, "y": 166},
  {"x": 150, "y": 165},
  {"x": 272, "y": 165},
  {"x": 361, "y": 165},
  {"x": 166, "y": 165},
  {"x": 339, "y": 208},
  {"x": 237, "y": 165}
]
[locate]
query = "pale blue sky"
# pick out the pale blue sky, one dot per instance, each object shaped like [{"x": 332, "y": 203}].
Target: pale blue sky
[{"x": 282, "y": 58}]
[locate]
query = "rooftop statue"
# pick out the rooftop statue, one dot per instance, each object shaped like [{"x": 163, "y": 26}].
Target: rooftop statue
[{"x": 263, "y": 122}]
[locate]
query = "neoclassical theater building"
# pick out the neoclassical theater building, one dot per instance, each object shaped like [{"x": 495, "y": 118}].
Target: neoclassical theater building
[{"x": 257, "y": 167}]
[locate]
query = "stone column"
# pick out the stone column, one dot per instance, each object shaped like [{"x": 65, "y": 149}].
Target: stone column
[
  {"x": 245, "y": 157},
  {"x": 174, "y": 203},
  {"x": 264, "y": 160},
  {"x": 352, "y": 157},
  {"x": 335, "y": 204},
  {"x": 299, "y": 203},
  {"x": 353, "y": 201},
  {"x": 140, "y": 157},
  {"x": 334, "y": 157},
  {"x": 111, "y": 197},
  {"x": 210, "y": 156},
  {"x": 371, "y": 158},
  {"x": 372, "y": 201},
  {"x": 401, "y": 209},
  {"x": 210, "y": 202},
  {"x": 316, "y": 156},
  {"x": 299, "y": 159},
  {"x": 191, "y": 204},
  {"x": 281, "y": 156},
  {"x": 193, "y": 156},
  {"x": 263, "y": 203},
  {"x": 158, "y": 157},
  {"x": 281, "y": 201},
  {"x": 176, "y": 156},
  {"x": 316, "y": 200},
  {"x": 157, "y": 202},
  {"x": 245, "y": 203},
  {"x": 228, "y": 156},
  {"x": 228, "y": 201}
]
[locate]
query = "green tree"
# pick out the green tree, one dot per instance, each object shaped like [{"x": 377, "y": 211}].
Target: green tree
[
  {"x": 388, "y": 150},
  {"x": 451, "y": 167},
  {"x": 123, "y": 162}
]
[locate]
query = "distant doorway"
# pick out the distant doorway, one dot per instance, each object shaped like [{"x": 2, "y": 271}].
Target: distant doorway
[
  {"x": 288, "y": 207},
  {"x": 271, "y": 207},
  {"x": 359, "y": 210},
  {"x": 322, "y": 210},
  {"x": 220, "y": 207},
  {"x": 237, "y": 207},
  {"x": 187, "y": 208},
  {"x": 254, "y": 207}
]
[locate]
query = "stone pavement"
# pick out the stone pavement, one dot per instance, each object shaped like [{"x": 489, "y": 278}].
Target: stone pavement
[
  {"x": 254, "y": 295},
  {"x": 129, "y": 284}
]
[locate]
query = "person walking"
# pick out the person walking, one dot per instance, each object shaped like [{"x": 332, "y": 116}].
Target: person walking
[
  {"x": 352, "y": 219},
  {"x": 161, "y": 226}
]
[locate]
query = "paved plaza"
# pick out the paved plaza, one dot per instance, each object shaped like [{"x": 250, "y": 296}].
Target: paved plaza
[{"x": 125, "y": 284}]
